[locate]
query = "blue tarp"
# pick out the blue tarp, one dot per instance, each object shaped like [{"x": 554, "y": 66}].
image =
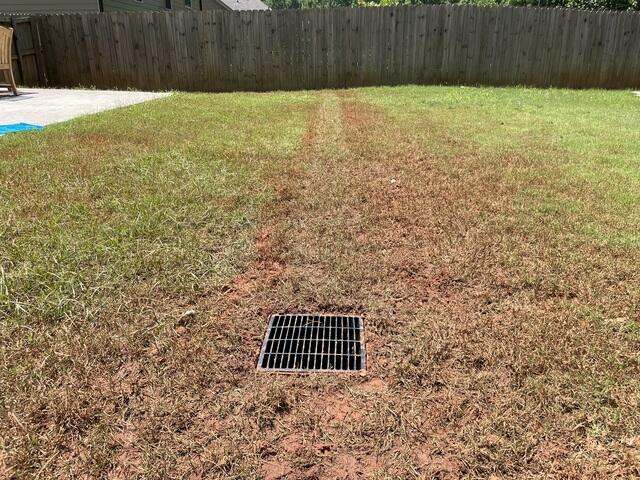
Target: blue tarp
[{"x": 18, "y": 127}]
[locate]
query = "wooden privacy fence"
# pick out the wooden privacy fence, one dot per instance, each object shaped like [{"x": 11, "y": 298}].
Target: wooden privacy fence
[
  {"x": 344, "y": 47},
  {"x": 27, "y": 55}
]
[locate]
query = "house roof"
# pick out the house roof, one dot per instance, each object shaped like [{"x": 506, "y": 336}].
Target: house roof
[{"x": 244, "y": 4}]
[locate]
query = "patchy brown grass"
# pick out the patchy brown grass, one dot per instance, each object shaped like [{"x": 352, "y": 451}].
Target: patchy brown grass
[{"x": 482, "y": 361}]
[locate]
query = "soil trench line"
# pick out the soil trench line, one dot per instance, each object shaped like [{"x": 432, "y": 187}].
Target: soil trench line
[
  {"x": 333, "y": 238},
  {"x": 333, "y": 242},
  {"x": 294, "y": 184}
]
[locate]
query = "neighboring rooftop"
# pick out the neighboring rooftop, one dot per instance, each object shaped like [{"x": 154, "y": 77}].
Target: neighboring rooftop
[{"x": 244, "y": 4}]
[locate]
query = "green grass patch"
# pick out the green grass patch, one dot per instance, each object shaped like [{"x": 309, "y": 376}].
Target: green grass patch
[
  {"x": 163, "y": 194},
  {"x": 578, "y": 152}
]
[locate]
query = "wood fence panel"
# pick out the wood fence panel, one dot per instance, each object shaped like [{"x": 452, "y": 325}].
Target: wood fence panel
[
  {"x": 29, "y": 68},
  {"x": 630, "y": 47},
  {"x": 342, "y": 47},
  {"x": 596, "y": 46}
]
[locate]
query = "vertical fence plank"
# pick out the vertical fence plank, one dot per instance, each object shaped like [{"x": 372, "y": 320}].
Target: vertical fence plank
[
  {"x": 17, "y": 44},
  {"x": 37, "y": 46},
  {"x": 330, "y": 39},
  {"x": 537, "y": 44},
  {"x": 633, "y": 67},
  {"x": 625, "y": 49},
  {"x": 398, "y": 43},
  {"x": 436, "y": 45},
  {"x": 92, "y": 64},
  {"x": 387, "y": 51}
]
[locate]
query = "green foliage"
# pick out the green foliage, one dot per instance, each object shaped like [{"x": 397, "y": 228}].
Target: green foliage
[{"x": 584, "y": 4}]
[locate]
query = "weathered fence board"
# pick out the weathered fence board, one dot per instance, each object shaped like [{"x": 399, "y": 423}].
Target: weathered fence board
[{"x": 343, "y": 47}]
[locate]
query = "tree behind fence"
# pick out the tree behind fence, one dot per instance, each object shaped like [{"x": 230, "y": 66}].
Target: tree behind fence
[{"x": 344, "y": 47}]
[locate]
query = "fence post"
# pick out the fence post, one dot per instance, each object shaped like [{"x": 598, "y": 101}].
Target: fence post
[
  {"x": 37, "y": 47},
  {"x": 16, "y": 44}
]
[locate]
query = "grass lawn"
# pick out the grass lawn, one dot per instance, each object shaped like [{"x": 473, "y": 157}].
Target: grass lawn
[{"x": 490, "y": 238}]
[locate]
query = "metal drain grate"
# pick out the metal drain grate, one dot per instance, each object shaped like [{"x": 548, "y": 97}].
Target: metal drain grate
[{"x": 313, "y": 343}]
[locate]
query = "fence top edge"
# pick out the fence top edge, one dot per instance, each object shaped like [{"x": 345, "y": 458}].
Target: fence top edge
[
  {"x": 15, "y": 17},
  {"x": 21, "y": 15}
]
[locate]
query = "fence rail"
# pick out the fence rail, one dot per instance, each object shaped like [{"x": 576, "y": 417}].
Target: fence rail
[{"x": 344, "y": 47}]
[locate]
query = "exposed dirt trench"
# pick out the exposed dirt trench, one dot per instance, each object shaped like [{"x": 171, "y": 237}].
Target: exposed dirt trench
[{"x": 334, "y": 242}]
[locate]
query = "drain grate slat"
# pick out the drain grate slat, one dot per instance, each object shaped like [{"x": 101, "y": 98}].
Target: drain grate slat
[{"x": 313, "y": 343}]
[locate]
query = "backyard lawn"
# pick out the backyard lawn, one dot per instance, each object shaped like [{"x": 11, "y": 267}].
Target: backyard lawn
[{"x": 489, "y": 237}]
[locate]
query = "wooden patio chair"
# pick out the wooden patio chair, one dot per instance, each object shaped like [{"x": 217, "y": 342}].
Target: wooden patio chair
[{"x": 6, "y": 36}]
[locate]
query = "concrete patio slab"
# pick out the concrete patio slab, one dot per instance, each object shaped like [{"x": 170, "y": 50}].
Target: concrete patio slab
[{"x": 41, "y": 106}]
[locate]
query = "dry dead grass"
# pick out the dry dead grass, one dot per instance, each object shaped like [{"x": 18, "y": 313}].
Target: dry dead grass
[{"x": 482, "y": 360}]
